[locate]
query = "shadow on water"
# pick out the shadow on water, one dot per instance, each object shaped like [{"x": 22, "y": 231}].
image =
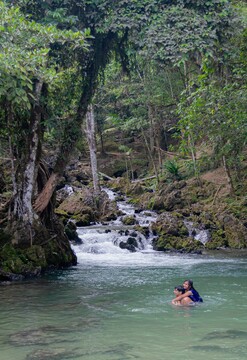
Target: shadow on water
[
  {"x": 120, "y": 351},
  {"x": 224, "y": 343},
  {"x": 228, "y": 334}
]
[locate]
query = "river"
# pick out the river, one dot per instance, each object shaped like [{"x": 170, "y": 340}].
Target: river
[{"x": 115, "y": 305}]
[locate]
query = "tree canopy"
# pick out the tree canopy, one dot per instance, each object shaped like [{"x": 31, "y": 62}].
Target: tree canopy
[{"x": 157, "y": 67}]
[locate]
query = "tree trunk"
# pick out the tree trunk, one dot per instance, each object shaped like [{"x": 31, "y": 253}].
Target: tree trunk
[
  {"x": 24, "y": 195},
  {"x": 228, "y": 175},
  {"x": 44, "y": 197},
  {"x": 90, "y": 133},
  {"x": 72, "y": 131},
  {"x": 151, "y": 157},
  {"x": 194, "y": 160},
  {"x": 151, "y": 129}
]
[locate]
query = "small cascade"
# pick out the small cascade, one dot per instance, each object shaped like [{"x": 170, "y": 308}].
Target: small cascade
[
  {"x": 115, "y": 238},
  {"x": 201, "y": 235}
]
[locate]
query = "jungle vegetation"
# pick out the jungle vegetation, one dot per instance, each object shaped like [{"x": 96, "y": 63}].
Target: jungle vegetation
[{"x": 172, "y": 73}]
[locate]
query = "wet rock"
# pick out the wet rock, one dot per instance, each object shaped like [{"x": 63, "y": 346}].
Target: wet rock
[
  {"x": 133, "y": 234},
  {"x": 8, "y": 277},
  {"x": 109, "y": 216},
  {"x": 227, "y": 334},
  {"x": 138, "y": 211},
  {"x": 63, "y": 193},
  {"x": 131, "y": 244},
  {"x": 172, "y": 235},
  {"x": 129, "y": 220},
  {"x": 70, "y": 231},
  {"x": 85, "y": 207},
  {"x": 144, "y": 230}
]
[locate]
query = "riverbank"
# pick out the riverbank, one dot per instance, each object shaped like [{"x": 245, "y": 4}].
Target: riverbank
[{"x": 193, "y": 217}]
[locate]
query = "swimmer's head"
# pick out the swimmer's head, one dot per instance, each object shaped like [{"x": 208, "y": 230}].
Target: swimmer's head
[
  {"x": 188, "y": 284},
  {"x": 178, "y": 290}
]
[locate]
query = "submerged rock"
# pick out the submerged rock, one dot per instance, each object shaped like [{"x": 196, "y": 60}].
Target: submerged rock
[{"x": 50, "y": 354}]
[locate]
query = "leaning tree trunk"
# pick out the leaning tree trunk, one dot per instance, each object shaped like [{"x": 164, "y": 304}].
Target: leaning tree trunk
[
  {"x": 72, "y": 131},
  {"x": 90, "y": 133}
]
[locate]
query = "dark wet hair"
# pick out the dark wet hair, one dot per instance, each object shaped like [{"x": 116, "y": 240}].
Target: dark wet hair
[
  {"x": 180, "y": 289},
  {"x": 190, "y": 282}
]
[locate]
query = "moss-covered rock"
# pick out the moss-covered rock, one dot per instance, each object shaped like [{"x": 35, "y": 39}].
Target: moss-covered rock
[
  {"x": 71, "y": 231},
  {"x": 217, "y": 241},
  {"x": 234, "y": 230},
  {"x": 142, "y": 230},
  {"x": 172, "y": 234},
  {"x": 129, "y": 220},
  {"x": 26, "y": 262},
  {"x": 85, "y": 207},
  {"x": 44, "y": 249},
  {"x": 82, "y": 219},
  {"x": 176, "y": 243}
]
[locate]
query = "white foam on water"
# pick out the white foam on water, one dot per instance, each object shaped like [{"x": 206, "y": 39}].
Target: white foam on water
[
  {"x": 107, "y": 254},
  {"x": 101, "y": 245}
]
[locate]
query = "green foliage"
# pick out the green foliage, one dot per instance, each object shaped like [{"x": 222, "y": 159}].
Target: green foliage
[
  {"x": 217, "y": 114},
  {"x": 25, "y": 47},
  {"x": 27, "y": 58},
  {"x": 188, "y": 30},
  {"x": 173, "y": 51},
  {"x": 173, "y": 169}
]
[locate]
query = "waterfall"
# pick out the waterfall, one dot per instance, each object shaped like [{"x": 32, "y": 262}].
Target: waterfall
[
  {"x": 114, "y": 238},
  {"x": 201, "y": 235}
]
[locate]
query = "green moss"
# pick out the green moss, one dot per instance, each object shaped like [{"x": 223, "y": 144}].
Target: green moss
[
  {"x": 175, "y": 243},
  {"x": 129, "y": 220},
  {"x": 61, "y": 212},
  {"x": 217, "y": 241},
  {"x": 143, "y": 230},
  {"x": 19, "y": 261},
  {"x": 57, "y": 255},
  {"x": 183, "y": 231},
  {"x": 4, "y": 238},
  {"x": 36, "y": 254},
  {"x": 82, "y": 219},
  {"x": 177, "y": 215}
]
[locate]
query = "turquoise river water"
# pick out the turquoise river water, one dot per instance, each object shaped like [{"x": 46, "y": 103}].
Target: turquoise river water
[{"x": 116, "y": 306}]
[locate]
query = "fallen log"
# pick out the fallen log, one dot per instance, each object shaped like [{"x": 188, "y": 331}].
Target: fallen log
[{"x": 105, "y": 176}]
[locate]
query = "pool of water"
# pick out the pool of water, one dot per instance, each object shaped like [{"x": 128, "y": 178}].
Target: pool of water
[{"x": 118, "y": 307}]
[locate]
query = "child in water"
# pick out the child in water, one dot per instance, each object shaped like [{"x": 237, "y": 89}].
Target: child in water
[
  {"x": 187, "y": 296},
  {"x": 178, "y": 291}
]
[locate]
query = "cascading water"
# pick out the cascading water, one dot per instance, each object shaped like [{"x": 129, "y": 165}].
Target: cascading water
[
  {"x": 201, "y": 235},
  {"x": 114, "y": 241}
]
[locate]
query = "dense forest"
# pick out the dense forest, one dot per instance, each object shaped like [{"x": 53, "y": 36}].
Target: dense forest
[{"x": 164, "y": 86}]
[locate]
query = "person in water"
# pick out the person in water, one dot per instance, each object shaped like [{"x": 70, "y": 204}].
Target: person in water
[
  {"x": 190, "y": 295},
  {"x": 178, "y": 291}
]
